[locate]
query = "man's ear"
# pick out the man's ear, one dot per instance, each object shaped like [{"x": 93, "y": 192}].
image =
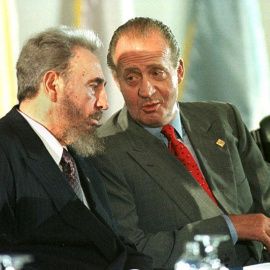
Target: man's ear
[
  {"x": 51, "y": 84},
  {"x": 180, "y": 71}
]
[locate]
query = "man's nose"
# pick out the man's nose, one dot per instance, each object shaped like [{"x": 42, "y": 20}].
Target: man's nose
[
  {"x": 146, "y": 89},
  {"x": 102, "y": 102}
]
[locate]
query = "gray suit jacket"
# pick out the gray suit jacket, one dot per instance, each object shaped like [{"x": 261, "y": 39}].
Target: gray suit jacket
[{"x": 158, "y": 204}]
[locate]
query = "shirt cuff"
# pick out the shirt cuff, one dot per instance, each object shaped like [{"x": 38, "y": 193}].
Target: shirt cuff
[{"x": 231, "y": 228}]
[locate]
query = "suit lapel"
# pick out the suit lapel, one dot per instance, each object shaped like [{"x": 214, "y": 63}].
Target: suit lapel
[
  {"x": 41, "y": 163},
  {"x": 94, "y": 189},
  {"x": 188, "y": 195},
  {"x": 204, "y": 131},
  {"x": 70, "y": 208}
]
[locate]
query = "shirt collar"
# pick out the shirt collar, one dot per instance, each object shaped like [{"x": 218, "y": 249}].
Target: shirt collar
[
  {"x": 176, "y": 123},
  {"x": 51, "y": 143}
]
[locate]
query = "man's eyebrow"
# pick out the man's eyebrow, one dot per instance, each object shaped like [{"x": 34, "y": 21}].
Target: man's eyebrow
[
  {"x": 149, "y": 67},
  {"x": 97, "y": 80},
  {"x": 153, "y": 66},
  {"x": 131, "y": 69}
]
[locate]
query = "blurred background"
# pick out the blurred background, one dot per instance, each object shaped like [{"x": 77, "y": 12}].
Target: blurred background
[{"x": 225, "y": 44}]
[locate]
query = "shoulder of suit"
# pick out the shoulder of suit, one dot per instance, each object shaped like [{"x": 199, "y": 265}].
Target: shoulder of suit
[
  {"x": 207, "y": 106},
  {"x": 8, "y": 125},
  {"x": 117, "y": 123},
  {"x": 110, "y": 126},
  {"x": 211, "y": 104}
]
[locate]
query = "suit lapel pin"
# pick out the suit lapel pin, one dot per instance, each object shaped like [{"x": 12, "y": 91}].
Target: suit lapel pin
[
  {"x": 88, "y": 179},
  {"x": 220, "y": 143}
]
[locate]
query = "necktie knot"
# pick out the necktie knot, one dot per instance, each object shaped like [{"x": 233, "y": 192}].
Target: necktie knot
[
  {"x": 67, "y": 161},
  {"x": 168, "y": 132},
  {"x": 66, "y": 156},
  {"x": 70, "y": 171}
]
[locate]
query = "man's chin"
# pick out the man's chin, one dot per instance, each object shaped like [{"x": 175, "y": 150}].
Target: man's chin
[{"x": 88, "y": 144}]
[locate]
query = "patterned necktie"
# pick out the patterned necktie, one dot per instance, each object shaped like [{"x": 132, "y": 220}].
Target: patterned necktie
[
  {"x": 70, "y": 171},
  {"x": 183, "y": 154}
]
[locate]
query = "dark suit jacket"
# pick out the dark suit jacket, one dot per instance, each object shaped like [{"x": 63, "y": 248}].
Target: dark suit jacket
[
  {"x": 41, "y": 215},
  {"x": 158, "y": 204}
]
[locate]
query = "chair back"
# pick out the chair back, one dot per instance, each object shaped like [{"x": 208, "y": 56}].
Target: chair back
[{"x": 262, "y": 137}]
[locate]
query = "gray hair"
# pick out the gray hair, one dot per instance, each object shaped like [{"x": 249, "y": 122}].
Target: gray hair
[
  {"x": 141, "y": 27},
  {"x": 51, "y": 49}
]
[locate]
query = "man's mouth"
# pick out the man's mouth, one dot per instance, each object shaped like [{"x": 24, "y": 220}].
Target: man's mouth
[
  {"x": 93, "y": 122},
  {"x": 94, "y": 119},
  {"x": 150, "y": 106}
]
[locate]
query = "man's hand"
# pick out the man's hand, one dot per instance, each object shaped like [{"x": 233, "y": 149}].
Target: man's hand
[{"x": 252, "y": 227}]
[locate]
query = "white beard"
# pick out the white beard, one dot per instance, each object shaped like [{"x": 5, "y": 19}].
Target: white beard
[
  {"x": 85, "y": 142},
  {"x": 88, "y": 143}
]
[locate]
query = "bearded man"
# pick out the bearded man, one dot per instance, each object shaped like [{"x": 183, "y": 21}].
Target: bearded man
[{"x": 52, "y": 204}]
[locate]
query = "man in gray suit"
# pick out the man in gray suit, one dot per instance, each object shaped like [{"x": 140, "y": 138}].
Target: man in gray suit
[{"x": 157, "y": 202}]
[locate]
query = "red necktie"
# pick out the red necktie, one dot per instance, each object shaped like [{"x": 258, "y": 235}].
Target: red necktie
[
  {"x": 70, "y": 171},
  {"x": 183, "y": 154}
]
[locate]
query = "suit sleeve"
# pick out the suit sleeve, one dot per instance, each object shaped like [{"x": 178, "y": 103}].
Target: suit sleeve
[
  {"x": 7, "y": 219},
  {"x": 134, "y": 258}
]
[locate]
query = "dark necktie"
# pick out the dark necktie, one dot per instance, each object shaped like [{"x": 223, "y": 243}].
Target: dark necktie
[
  {"x": 70, "y": 171},
  {"x": 183, "y": 154}
]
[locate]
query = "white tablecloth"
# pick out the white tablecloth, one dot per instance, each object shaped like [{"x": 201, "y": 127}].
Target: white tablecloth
[{"x": 261, "y": 266}]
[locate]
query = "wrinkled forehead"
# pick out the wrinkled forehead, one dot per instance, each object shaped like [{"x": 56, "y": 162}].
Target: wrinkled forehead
[
  {"x": 141, "y": 51},
  {"x": 143, "y": 59},
  {"x": 154, "y": 42}
]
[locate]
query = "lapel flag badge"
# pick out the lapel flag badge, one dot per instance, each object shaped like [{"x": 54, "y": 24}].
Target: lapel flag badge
[{"x": 220, "y": 143}]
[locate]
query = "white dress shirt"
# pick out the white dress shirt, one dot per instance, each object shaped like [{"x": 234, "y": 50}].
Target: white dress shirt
[{"x": 51, "y": 143}]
